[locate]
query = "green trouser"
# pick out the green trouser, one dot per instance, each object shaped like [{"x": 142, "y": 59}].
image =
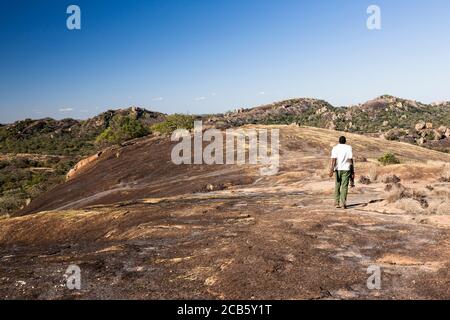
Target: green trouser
[{"x": 341, "y": 187}]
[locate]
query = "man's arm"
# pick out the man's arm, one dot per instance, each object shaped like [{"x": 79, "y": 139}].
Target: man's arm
[
  {"x": 352, "y": 168},
  {"x": 352, "y": 164},
  {"x": 332, "y": 167}
]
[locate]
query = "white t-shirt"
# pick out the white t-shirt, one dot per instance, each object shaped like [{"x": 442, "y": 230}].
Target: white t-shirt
[{"x": 342, "y": 153}]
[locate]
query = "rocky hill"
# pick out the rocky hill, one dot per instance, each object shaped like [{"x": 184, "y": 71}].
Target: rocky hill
[
  {"x": 139, "y": 226},
  {"x": 67, "y": 136},
  {"x": 35, "y": 155},
  {"x": 374, "y": 116},
  {"x": 385, "y": 116}
]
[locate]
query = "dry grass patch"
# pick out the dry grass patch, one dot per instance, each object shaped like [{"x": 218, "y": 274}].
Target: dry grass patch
[
  {"x": 372, "y": 174},
  {"x": 409, "y": 206},
  {"x": 439, "y": 206},
  {"x": 441, "y": 192},
  {"x": 445, "y": 174}
]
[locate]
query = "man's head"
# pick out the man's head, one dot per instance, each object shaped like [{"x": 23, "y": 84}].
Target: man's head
[{"x": 342, "y": 140}]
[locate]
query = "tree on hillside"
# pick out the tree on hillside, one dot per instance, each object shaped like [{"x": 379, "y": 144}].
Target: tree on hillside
[{"x": 122, "y": 128}]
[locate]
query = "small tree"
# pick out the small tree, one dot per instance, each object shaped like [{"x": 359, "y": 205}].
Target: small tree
[
  {"x": 122, "y": 129},
  {"x": 174, "y": 122},
  {"x": 10, "y": 203},
  {"x": 388, "y": 158}
]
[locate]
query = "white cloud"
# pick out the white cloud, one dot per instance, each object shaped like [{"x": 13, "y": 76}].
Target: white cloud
[
  {"x": 65, "y": 109},
  {"x": 200, "y": 98},
  {"x": 213, "y": 94},
  {"x": 158, "y": 99},
  {"x": 262, "y": 93}
]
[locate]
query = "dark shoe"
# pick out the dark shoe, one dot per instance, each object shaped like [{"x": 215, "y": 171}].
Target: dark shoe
[{"x": 337, "y": 205}]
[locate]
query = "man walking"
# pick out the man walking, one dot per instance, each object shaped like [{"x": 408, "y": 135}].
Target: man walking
[{"x": 342, "y": 166}]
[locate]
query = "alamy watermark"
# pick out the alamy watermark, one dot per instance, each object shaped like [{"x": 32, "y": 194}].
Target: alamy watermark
[
  {"x": 73, "y": 277},
  {"x": 241, "y": 146},
  {"x": 73, "y": 21},
  {"x": 374, "y": 280},
  {"x": 374, "y": 20}
]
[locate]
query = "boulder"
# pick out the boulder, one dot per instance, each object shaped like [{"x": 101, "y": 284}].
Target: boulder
[
  {"x": 408, "y": 139},
  {"x": 82, "y": 165},
  {"x": 420, "y": 126},
  {"x": 321, "y": 111},
  {"x": 421, "y": 141},
  {"x": 442, "y": 129},
  {"x": 438, "y": 135},
  {"x": 394, "y": 134}
]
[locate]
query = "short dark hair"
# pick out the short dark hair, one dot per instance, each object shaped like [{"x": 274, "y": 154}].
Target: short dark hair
[{"x": 342, "y": 140}]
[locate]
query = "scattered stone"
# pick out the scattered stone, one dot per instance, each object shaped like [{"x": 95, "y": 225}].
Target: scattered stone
[
  {"x": 211, "y": 187},
  {"x": 365, "y": 180},
  {"x": 421, "y": 198},
  {"x": 391, "y": 179},
  {"x": 290, "y": 258}
]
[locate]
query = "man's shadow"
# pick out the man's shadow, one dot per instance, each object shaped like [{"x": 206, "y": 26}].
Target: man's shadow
[{"x": 363, "y": 204}]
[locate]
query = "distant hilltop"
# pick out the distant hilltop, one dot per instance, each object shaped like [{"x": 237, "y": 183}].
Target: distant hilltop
[
  {"x": 387, "y": 116},
  {"x": 374, "y": 116}
]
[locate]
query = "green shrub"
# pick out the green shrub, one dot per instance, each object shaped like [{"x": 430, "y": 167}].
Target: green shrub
[
  {"x": 122, "y": 129},
  {"x": 174, "y": 122},
  {"x": 11, "y": 203},
  {"x": 388, "y": 158}
]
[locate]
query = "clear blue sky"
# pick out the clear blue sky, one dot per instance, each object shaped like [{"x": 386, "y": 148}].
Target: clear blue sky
[{"x": 202, "y": 56}]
